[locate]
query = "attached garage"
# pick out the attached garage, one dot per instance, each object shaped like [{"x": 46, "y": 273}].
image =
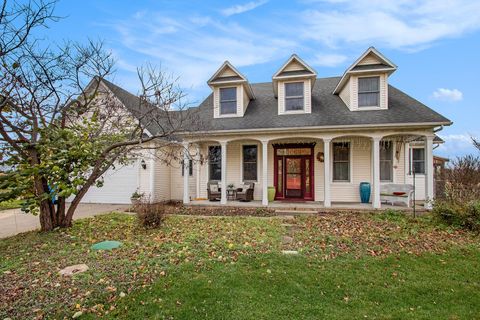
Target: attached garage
[{"x": 119, "y": 184}]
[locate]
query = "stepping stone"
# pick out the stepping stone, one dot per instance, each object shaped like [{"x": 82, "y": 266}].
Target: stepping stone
[
  {"x": 287, "y": 240},
  {"x": 290, "y": 252},
  {"x": 106, "y": 245},
  {"x": 71, "y": 270}
]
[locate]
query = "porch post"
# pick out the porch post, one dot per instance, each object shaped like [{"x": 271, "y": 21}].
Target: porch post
[
  {"x": 376, "y": 172},
  {"x": 223, "y": 183},
  {"x": 428, "y": 172},
  {"x": 265, "y": 172},
  {"x": 326, "y": 174},
  {"x": 186, "y": 162},
  {"x": 197, "y": 173}
]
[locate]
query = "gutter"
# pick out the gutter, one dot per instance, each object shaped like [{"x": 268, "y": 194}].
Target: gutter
[{"x": 331, "y": 128}]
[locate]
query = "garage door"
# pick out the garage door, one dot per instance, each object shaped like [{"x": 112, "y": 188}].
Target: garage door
[{"x": 119, "y": 184}]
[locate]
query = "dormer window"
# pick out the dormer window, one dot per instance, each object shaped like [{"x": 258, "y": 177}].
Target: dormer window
[
  {"x": 294, "y": 96},
  {"x": 368, "y": 92},
  {"x": 228, "y": 100}
]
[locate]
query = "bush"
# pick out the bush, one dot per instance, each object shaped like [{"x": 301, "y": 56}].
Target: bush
[
  {"x": 150, "y": 215},
  {"x": 464, "y": 215},
  {"x": 463, "y": 180}
]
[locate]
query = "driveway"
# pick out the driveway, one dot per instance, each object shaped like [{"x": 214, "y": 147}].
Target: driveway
[{"x": 14, "y": 221}]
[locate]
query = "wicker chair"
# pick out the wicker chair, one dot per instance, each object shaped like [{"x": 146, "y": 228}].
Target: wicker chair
[
  {"x": 246, "y": 194},
  {"x": 213, "y": 195}
]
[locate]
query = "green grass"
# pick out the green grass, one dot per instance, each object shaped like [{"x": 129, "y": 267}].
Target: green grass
[
  {"x": 350, "y": 266},
  {"x": 10, "y": 204},
  {"x": 432, "y": 286}
]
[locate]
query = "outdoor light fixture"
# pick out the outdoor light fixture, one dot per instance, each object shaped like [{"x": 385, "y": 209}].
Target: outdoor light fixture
[
  {"x": 321, "y": 157},
  {"x": 143, "y": 164}
]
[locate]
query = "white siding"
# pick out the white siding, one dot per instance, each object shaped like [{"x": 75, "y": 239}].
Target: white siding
[
  {"x": 294, "y": 65},
  {"x": 345, "y": 93},
  {"x": 369, "y": 59},
  {"x": 227, "y": 72},
  {"x": 360, "y": 159}
]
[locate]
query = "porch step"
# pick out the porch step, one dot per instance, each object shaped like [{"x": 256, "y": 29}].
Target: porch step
[{"x": 290, "y": 212}]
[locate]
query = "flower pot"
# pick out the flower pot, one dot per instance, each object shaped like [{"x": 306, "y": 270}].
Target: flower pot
[
  {"x": 271, "y": 193},
  {"x": 365, "y": 190}
]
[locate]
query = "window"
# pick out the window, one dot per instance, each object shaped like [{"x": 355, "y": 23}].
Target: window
[
  {"x": 417, "y": 160},
  {"x": 215, "y": 162},
  {"x": 250, "y": 163},
  {"x": 190, "y": 168},
  {"x": 368, "y": 92},
  {"x": 386, "y": 161},
  {"x": 293, "y": 96},
  {"x": 341, "y": 161},
  {"x": 228, "y": 100}
]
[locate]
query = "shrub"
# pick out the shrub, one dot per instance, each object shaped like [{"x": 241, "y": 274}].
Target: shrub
[
  {"x": 464, "y": 215},
  {"x": 150, "y": 215},
  {"x": 463, "y": 180}
]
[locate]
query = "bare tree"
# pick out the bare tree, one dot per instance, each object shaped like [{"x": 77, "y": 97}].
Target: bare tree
[
  {"x": 476, "y": 143},
  {"x": 60, "y": 131}
]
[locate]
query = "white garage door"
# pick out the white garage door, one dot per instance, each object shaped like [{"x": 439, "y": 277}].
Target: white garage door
[{"x": 119, "y": 184}]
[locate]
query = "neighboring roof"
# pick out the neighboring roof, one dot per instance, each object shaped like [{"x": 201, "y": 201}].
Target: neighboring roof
[
  {"x": 355, "y": 67},
  {"x": 327, "y": 110}
]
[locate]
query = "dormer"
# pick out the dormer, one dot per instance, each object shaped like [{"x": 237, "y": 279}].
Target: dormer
[
  {"x": 364, "y": 86},
  {"x": 292, "y": 85},
  {"x": 231, "y": 92}
]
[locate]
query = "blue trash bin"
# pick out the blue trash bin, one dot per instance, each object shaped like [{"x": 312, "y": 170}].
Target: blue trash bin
[{"x": 365, "y": 190}]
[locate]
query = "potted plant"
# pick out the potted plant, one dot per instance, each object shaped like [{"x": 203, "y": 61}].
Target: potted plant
[
  {"x": 231, "y": 186},
  {"x": 136, "y": 197}
]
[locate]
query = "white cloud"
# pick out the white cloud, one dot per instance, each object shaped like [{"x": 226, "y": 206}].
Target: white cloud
[
  {"x": 404, "y": 24},
  {"x": 448, "y": 94},
  {"x": 329, "y": 60},
  {"x": 241, "y": 8},
  {"x": 456, "y": 144}
]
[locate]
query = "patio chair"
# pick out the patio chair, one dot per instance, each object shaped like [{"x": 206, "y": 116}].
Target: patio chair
[
  {"x": 246, "y": 192},
  {"x": 213, "y": 191}
]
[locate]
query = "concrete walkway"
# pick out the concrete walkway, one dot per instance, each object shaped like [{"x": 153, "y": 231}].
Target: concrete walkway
[{"x": 14, "y": 221}]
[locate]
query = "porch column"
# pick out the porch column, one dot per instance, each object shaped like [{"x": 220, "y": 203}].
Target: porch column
[
  {"x": 265, "y": 172},
  {"x": 223, "y": 183},
  {"x": 376, "y": 172},
  {"x": 152, "y": 176},
  {"x": 197, "y": 169},
  {"x": 326, "y": 173},
  {"x": 186, "y": 162},
  {"x": 428, "y": 172}
]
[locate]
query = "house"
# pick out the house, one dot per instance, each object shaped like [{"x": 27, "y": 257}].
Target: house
[{"x": 311, "y": 138}]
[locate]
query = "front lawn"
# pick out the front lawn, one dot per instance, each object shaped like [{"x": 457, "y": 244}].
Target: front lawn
[
  {"x": 10, "y": 204},
  {"x": 349, "y": 266}
]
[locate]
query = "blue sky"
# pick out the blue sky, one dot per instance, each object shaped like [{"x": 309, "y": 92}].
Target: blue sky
[{"x": 435, "y": 43}]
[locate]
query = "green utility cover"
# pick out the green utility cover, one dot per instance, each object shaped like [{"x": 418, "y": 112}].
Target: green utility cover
[{"x": 106, "y": 245}]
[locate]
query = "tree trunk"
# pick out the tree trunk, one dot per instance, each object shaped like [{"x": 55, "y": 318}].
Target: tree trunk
[{"x": 46, "y": 214}]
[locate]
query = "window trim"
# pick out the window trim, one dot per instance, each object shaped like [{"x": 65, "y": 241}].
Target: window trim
[
  {"x": 392, "y": 171},
  {"x": 359, "y": 107},
  {"x": 241, "y": 162},
  {"x": 350, "y": 165},
  {"x": 285, "y": 98},
  {"x": 220, "y": 113},
  {"x": 410, "y": 160},
  {"x": 190, "y": 168},
  {"x": 208, "y": 162}
]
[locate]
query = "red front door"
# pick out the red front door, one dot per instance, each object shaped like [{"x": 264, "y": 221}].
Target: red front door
[{"x": 294, "y": 173}]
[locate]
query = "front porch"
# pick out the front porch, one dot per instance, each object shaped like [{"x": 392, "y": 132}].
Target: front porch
[
  {"x": 307, "y": 205},
  {"x": 311, "y": 171}
]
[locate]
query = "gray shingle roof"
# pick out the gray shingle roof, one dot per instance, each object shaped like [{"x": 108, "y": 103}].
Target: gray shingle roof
[
  {"x": 295, "y": 73},
  {"x": 327, "y": 110},
  {"x": 364, "y": 67}
]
